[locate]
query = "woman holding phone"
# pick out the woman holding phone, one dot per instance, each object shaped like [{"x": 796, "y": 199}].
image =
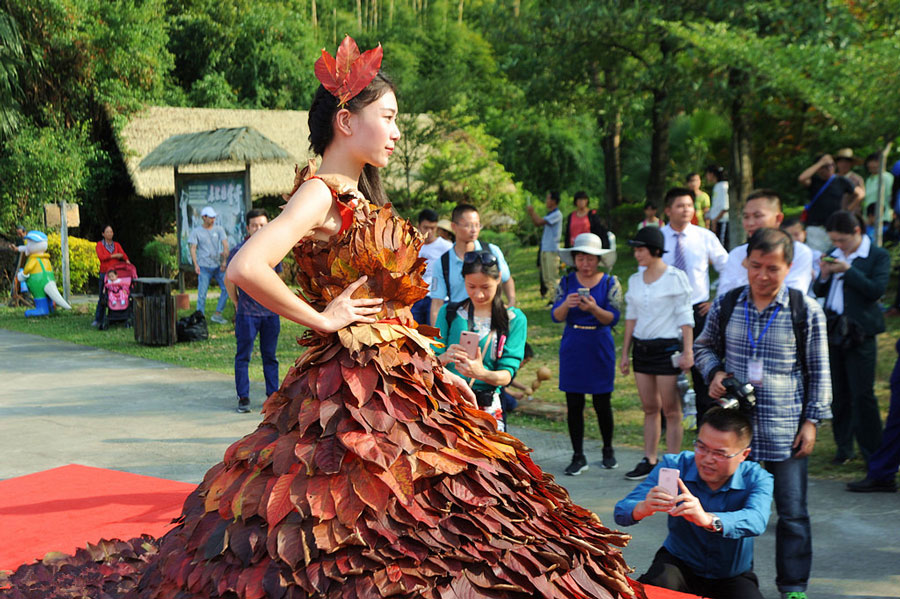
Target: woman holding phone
[
  {"x": 588, "y": 301},
  {"x": 484, "y": 341}
]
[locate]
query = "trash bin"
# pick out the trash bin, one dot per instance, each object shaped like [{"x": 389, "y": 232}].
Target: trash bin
[{"x": 154, "y": 311}]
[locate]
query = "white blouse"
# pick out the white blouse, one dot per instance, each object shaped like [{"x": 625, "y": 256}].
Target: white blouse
[{"x": 660, "y": 308}]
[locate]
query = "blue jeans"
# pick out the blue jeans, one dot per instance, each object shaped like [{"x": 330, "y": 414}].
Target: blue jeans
[
  {"x": 793, "y": 535},
  {"x": 884, "y": 463},
  {"x": 203, "y": 285},
  {"x": 245, "y": 329}
]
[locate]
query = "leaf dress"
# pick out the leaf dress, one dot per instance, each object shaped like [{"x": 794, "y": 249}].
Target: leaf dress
[{"x": 370, "y": 476}]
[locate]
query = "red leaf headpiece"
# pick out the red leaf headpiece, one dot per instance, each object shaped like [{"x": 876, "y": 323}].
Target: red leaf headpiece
[{"x": 348, "y": 73}]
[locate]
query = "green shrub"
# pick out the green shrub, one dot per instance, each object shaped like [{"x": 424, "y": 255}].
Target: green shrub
[
  {"x": 162, "y": 251},
  {"x": 83, "y": 262},
  {"x": 505, "y": 240},
  {"x": 626, "y": 218}
]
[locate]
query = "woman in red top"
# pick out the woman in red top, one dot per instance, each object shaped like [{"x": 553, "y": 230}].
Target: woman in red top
[{"x": 110, "y": 254}]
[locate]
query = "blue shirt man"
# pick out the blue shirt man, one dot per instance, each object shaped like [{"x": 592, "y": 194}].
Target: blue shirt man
[
  {"x": 208, "y": 244},
  {"x": 721, "y": 503},
  {"x": 466, "y": 224},
  {"x": 251, "y": 318},
  {"x": 793, "y": 388},
  {"x": 549, "y": 256}
]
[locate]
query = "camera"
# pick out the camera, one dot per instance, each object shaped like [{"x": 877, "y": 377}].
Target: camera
[{"x": 738, "y": 395}]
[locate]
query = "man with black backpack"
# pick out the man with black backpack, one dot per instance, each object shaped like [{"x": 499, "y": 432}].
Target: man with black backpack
[{"x": 775, "y": 339}]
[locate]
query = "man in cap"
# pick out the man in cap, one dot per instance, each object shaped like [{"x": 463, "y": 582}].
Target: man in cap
[
  {"x": 829, "y": 191},
  {"x": 209, "y": 253}
]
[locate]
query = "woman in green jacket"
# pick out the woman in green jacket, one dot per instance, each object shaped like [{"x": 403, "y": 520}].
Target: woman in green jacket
[{"x": 501, "y": 331}]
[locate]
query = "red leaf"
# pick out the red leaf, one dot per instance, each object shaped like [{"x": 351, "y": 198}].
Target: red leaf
[
  {"x": 328, "y": 380},
  {"x": 362, "y": 381},
  {"x": 393, "y": 572},
  {"x": 290, "y": 540},
  {"x": 371, "y": 447},
  {"x": 318, "y": 493},
  {"x": 362, "y": 72},
  {"x": 329, "y": 455},
  {"x": 280, "y": 504},
  {"x": 309, "y": 413},
  {"x": 326, "y": 71},
  {"x": 370, "y": 490},
  {"x": 346, "y": 55}
]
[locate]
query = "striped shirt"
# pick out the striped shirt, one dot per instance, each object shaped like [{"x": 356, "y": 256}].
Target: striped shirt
[{"x": 779, "y": 400}]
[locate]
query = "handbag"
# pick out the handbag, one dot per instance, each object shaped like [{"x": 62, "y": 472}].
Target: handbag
[{"x": 843, "y": 331}]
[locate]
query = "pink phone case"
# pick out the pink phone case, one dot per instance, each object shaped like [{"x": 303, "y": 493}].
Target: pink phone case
[
  {"x": 668, "y": 480},
  {"x": 469, "y": 341}
]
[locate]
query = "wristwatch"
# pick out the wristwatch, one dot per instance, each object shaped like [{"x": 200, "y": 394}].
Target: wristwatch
[{"x": 716, "y": 524}]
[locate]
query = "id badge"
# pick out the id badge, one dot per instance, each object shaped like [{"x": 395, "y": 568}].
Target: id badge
[{"x": 755, "y": 371}]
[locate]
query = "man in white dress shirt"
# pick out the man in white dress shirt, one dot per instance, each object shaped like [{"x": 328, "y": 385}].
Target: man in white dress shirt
[
  {"x": 692, "y": 249},
  {"x": 763, "y": 209}
]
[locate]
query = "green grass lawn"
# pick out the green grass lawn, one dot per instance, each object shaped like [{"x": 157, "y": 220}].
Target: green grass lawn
[{"x": 217, "y": 354}]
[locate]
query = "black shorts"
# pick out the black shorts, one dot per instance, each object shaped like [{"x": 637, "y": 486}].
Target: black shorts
[{"x": 654, "y": 356}]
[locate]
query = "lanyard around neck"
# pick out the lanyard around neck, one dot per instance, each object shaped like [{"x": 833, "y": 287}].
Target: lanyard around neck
[{"x": 755, "y": 342}]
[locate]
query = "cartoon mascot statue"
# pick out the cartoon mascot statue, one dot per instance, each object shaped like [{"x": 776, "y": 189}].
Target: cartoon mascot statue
[{"x": 38, "y": 276}]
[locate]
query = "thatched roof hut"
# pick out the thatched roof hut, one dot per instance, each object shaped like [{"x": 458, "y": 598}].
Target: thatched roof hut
[
  {"x": 233, "y": 144},
  {"x": 156, "y": 124}
]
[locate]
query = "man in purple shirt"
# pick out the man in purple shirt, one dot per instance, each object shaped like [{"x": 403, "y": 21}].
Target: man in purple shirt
[{"x": 252, "y": 318}]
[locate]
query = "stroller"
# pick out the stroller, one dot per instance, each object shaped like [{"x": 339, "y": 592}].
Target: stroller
[{"x": 115, "y": 300}]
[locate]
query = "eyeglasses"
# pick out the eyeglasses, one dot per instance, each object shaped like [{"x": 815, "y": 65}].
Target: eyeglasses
[
  {"x": 469, "y": 226},
  {"x": 717, "y": 454},
  {"x": 484, "y": 257}
]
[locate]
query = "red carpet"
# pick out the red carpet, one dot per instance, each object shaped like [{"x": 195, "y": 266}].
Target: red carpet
[{"x": 65, "y": 508}]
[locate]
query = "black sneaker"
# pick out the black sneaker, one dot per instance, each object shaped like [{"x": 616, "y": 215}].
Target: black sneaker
[
  {"x": 243, "y": 405},
  {"x": 579, "y": 464},
  {"x": 640, "y": 471},
  {"x": 867, "y": 485},
  {"x": 609, "y": 458}
]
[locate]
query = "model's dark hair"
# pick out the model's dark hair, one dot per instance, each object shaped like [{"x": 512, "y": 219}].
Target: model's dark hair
[
  {"x": 256, "y": 213},
  {"x": 844, "y": 222},
  {"x": 427, "y": 214},
  {"x": 580, "y": 195},
  {"x": 718, "y": 172},
  {"x": 678, "y": 192},
  {"x": 768, "y": 240},
  {"x": 321, "y": 129},
  {"x": 729, "y": 421},
  {"x": 499, "y": 316},
  {"x": 460, "y": 210},
  {"x": 765, "y": 194}
]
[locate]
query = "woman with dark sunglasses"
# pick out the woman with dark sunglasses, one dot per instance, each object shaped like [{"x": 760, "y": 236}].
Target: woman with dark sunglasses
[{"x": 501, "y": 333}]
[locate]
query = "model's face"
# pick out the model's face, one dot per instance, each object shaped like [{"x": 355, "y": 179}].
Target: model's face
[
  {"x": 642, "y": 255},
  {"x": 375, "y": 131},
  {"x": 797, "y": 232},
  {"x": 711, "y": 451},
  {"x": 694, "y": 183},
  {"x": 256, "y": 224},
  {"x": 467, "y": 227},
  {"x": 760, "y": 213},
  {"x": 481, "y": 288},
  {"x": 846, "y": 242},
  {"x": 586, "y": 264},
  {"x": 766, "y": 272},
  {"x": 680, "y": 211},
  {"x": 428, "y": 229},
  {"x": 108, "y": 234}
]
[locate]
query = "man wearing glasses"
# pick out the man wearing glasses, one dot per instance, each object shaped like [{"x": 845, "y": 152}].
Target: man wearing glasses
[
  {"x": 828, "y": 193},
  {"x": 779, "y": 345},
  {"x": 722, "y": 502},
  {"x": 448, "y": 280}
]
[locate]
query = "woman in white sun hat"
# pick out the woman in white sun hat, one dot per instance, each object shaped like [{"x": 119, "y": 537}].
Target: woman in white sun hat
[{"x": 588, "y": 301}]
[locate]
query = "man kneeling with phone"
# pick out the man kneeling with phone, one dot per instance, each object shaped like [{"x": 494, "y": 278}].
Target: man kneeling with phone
[{"x": 716, "y": 503}]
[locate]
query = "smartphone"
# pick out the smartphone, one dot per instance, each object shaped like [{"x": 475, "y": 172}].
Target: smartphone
[
  {"x": 469, "y": 341},
  {"x": 668, "y": 480},
  {"x": 584, "y": 291},
  {"x": 676, "y": 359},
  {"x": 829, "y": 259}
]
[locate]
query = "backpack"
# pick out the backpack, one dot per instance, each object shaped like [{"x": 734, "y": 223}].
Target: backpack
[
  {"x": 798, "y": 323},
  {"x": 452, "y": 307}
]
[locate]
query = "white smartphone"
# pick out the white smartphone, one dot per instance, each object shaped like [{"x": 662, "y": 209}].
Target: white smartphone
[
  {"x": 584, "y": 291},
  {"x": 668, "y": 480},
  {"x": 676, "y": 359},
  {"x": 469, "y": 341}
]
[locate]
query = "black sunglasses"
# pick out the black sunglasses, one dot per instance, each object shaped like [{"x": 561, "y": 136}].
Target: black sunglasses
[{"x": 484, "y": 257}]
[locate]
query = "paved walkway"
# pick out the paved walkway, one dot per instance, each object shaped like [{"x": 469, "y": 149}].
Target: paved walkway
[{"x": 97, "y": 408}]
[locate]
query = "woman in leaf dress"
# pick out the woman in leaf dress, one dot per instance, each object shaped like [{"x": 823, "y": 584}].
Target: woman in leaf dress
[{"x": 370, "y": 475}]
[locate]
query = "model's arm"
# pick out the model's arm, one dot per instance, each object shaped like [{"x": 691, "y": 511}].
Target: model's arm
[{"x": 252, "y": 268}]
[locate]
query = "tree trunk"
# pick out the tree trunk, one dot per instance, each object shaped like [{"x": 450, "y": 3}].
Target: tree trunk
[
  {"x": 741, "y": 181},
  {"x": 659, "y": 148},
  {"x": 315, "y": 19},
  {"x": 359, "y": 14},
  {"x": 612, "y": 156},
  {"x": 460, "y": 11}
]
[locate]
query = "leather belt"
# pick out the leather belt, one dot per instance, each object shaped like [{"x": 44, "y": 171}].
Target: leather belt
[{"x": 585, "y": 327}]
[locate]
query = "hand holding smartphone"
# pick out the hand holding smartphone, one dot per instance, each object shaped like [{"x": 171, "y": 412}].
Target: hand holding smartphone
[
  {"x": 469, "y": 341},
  {"x": 668, "y": 480},
  {"x": 584, "y": 291}
]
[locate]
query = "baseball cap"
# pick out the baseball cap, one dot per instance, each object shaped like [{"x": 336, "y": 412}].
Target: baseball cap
[
  {"x": 650, "y": 237},
  {"x": 208, "y": 211}
]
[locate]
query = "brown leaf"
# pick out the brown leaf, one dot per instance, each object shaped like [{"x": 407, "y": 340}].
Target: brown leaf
[
  {"x": 329, "y": 455},
  {"x": 362, "y": 381},
  {"x": 318, "y": 494},
  {"x": 328, "y": 380},
  {"x": 279, "y": 504}
]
